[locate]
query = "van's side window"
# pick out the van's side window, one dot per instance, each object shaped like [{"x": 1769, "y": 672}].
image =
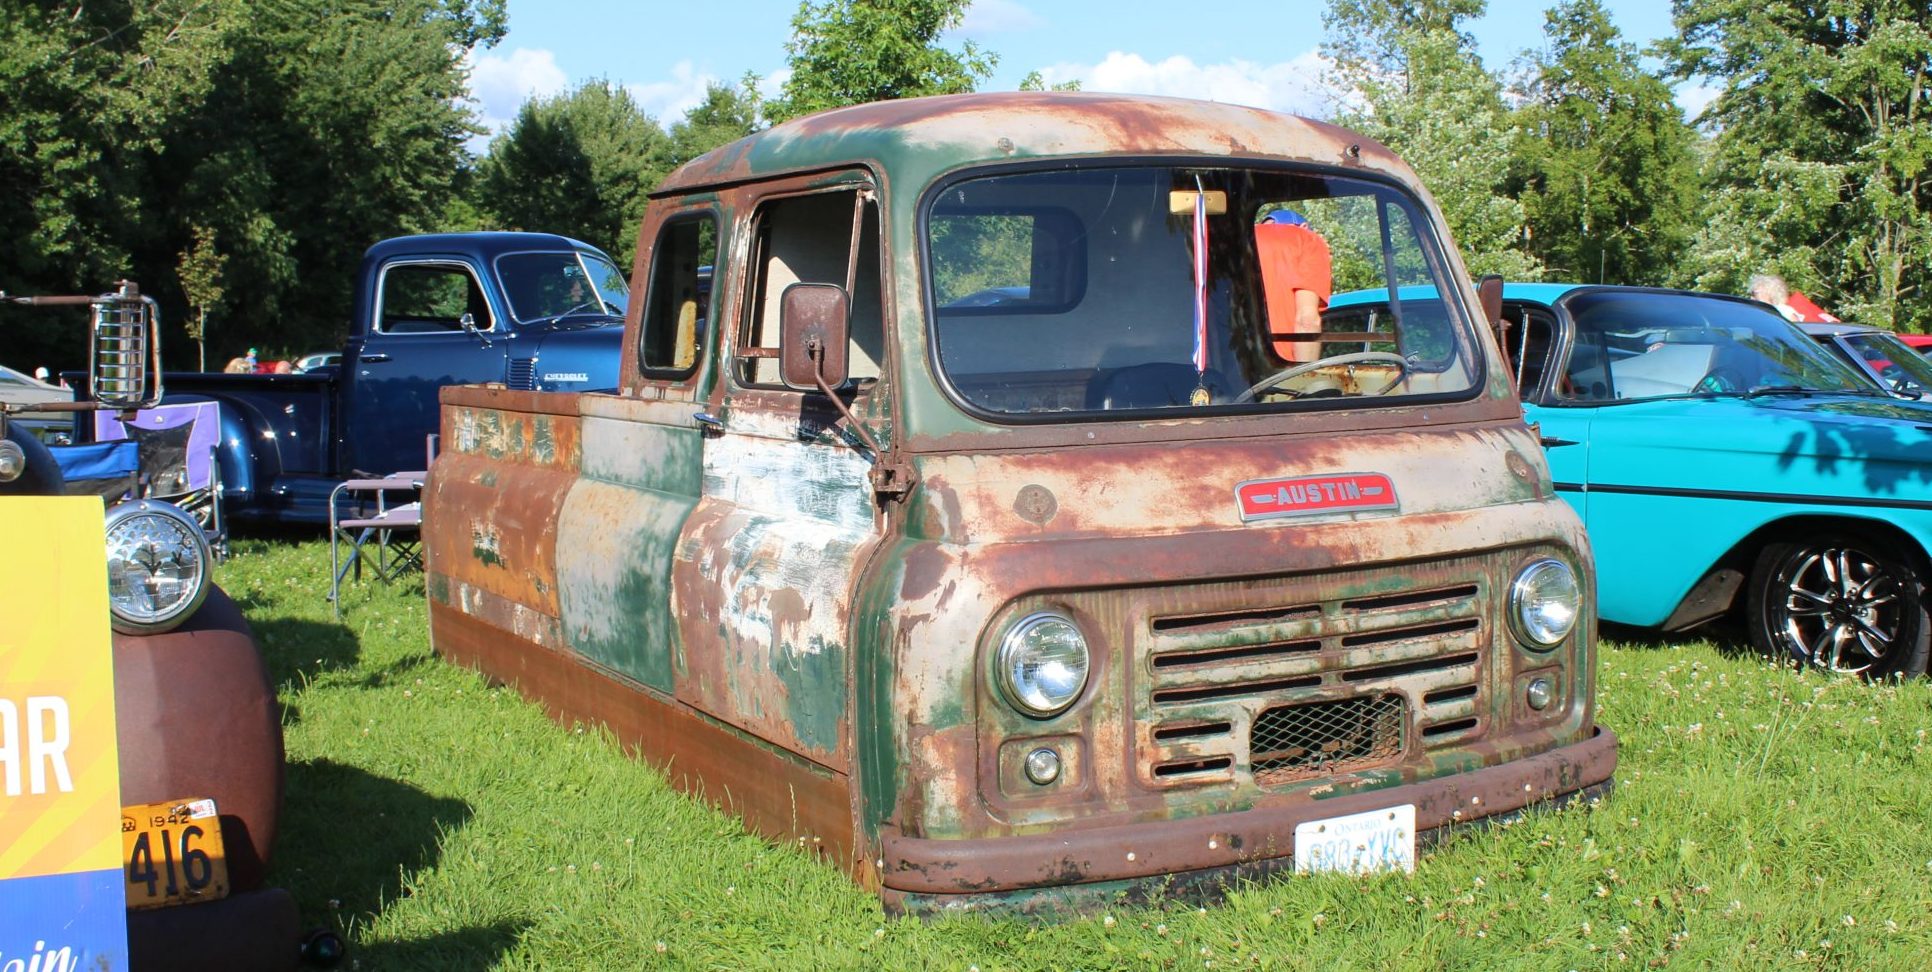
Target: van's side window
[
  {"x": 428, "y": 298},
  {"x": 808, "y": 239},
  {"x": 678, "y": 310}
]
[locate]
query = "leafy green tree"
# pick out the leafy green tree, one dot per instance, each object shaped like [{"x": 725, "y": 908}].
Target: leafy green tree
[
  {"x": 848, "y": 52},
  {"x": 296, "y": 132},
  {"x": 580, "y": 164},
  {"x": 726, "y": 115},
  {"x": 1606, "y": 169},
  {"x": 1819, "y": 155},
  {"x": 87, "y": 92},
  {"x": 200, "y": 273},
  {"x": 1035, "y": 81},
  {"x": 1420, "y": 88}
]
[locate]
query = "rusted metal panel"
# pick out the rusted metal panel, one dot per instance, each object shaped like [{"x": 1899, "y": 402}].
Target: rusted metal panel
[
  {"x": 506, "y": 465},
  {"x": 948, "y": 128},
  {"x": 1077, "y": 855},
  {"x": 788, "y": 799},
  {"x": 216, "y": 735},
  {"x": 948, "y": 723},
  {"x": 763, "y": 579}
]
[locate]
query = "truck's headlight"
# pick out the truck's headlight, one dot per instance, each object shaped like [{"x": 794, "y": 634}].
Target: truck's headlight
[
  {"x": 1544, "y": 603},
  {"x": 1043, "y": 664},
  {"x": 157, "y": 566}
]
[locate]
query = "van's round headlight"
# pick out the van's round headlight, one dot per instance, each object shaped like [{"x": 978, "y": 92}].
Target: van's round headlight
[
  {"x": 1544, "y": 603},
  {"x": 1043, "y": 664},
  {"x": 157, "y": 566}
]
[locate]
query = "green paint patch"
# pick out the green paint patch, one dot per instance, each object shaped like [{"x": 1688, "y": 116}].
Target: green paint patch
[
  {"x": 814, "y": 683},
  {"x": 483, "y": 547},
  {"x": 543, "y": 440}
]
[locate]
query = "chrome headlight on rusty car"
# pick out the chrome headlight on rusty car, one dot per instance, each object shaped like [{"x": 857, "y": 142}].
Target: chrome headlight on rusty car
[
  {"x": 1544, "y": 603},
  {"x": 1043, "y": 664},
  {"x": 157, "y": 566}
]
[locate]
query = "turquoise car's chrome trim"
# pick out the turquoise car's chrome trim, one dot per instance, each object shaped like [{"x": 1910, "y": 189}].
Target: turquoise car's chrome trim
[{"x": 1726, "y": 494}]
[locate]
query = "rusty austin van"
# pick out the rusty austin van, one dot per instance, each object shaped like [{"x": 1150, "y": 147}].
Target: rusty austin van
[{"x": 963, "y": 514}]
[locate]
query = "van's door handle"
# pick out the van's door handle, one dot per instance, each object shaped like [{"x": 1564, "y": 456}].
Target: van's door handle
[
  {"x": 1551, "y": 442},
  {"x": 709, "y": 420}
]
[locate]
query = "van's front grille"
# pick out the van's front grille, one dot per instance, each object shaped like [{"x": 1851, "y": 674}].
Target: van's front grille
[
  {"x": 1275, "y": 680},
  {"x": 523, "y": 374},
  {"x": 1294, "y": 742}
]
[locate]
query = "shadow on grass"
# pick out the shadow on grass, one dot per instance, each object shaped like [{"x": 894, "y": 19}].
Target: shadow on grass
[
  {"x": 297, "y": 650},
  {"x": 350, "y": 837},
  {"x": 1728, "y": 637},
  {"x": 471, "y": 948}
]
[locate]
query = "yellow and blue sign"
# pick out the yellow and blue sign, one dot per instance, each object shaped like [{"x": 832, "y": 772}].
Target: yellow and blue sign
[{"x": 62, "y": 903}]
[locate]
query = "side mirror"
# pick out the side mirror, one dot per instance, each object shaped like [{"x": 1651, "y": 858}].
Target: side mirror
[
  {"x": 1489, "y": 292},
  {"x": 814, "y": 321}
]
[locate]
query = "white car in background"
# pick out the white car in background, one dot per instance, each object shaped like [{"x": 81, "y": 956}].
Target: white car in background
[
  {"x": 1880, "y": 356},
  {"x": 19, "y": 388}
]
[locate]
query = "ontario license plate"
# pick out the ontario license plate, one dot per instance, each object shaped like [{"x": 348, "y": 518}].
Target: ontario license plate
[
  {"x": 172, "y": 853},
  {"x": 1360, "y": 843}
]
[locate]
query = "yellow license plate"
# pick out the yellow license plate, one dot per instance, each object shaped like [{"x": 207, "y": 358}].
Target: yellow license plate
[{"x": 172, "y": 853}]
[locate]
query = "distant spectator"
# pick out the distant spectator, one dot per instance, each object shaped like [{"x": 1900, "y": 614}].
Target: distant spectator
[
  {"x": 280, "y": 368},
  {"x": 1771, "y": 289},
  {"x": 237, "y": 366},
  {"x": 40, "y": 373},
  {"x": 1297, "y": 279}
]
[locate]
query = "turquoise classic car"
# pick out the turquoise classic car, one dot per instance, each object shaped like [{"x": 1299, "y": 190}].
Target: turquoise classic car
[{"x": 1724, "y": 464}]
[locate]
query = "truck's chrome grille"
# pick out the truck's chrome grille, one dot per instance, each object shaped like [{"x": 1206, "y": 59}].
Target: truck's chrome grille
[
  {"x": 523, "y": 374},
  {"x": 1292, "y": 742}
]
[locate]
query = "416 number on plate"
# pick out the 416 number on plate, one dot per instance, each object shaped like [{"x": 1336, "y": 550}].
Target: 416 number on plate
[{"x": 173, "y": 853}]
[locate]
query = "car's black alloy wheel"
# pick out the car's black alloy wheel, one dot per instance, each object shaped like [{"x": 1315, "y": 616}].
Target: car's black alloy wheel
[{"x": 1843, "y": 603}]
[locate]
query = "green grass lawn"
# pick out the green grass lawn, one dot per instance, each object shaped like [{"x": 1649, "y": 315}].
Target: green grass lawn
[{"x": 1762, "y": 819}]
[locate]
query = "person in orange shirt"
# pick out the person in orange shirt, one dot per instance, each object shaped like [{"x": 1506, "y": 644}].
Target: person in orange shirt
[{"x": 1296, "y": 279}]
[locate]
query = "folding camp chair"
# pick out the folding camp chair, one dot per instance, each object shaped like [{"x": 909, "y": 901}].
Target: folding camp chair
[
  {"x": 382, "y": 533},
  {"x": 109, "y": 470}
]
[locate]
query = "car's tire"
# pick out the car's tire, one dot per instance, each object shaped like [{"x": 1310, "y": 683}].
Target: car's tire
[{"x": 1841, "y": 601}]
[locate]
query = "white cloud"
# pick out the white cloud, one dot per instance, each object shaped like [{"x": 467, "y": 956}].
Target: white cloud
[
  {"x": 669, "y": 100},
  {"x": 998, "y": 17},
  {"x": 1694, "y": 98},
  {"x": 1291, "y": 86},
  {"x": 501, "y": 83}
]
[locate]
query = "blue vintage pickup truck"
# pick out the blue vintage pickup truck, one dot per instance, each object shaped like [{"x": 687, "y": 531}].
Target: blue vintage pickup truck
[{"x": 531, "y": 311}]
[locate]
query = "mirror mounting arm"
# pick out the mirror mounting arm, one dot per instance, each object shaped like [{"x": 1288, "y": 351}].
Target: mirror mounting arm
[{"x": 891, "y": 477}]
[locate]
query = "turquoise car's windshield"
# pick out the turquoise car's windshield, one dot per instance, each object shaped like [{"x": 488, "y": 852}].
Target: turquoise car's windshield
[
  {"x": 1096, "y": 290},
  {"x": 1639, "y": 345}
]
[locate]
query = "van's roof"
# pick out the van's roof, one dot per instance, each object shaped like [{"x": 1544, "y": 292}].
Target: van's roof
[{"x": 932, "y": 135}]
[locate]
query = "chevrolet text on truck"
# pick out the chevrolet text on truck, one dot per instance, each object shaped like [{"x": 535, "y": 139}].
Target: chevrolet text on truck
[{"x": 988, "y": 531}]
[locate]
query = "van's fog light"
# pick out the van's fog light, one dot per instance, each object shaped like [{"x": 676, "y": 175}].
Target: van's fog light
[
  {"x": 1540, "y": 693},
  {"x": 1042, "y": 766}
]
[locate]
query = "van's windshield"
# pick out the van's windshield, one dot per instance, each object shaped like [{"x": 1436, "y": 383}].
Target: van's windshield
[{"x": 1124, "y": 289}]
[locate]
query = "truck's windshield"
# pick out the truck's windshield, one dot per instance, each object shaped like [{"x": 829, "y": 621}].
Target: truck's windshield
[
  {"x": 1129, "y": 288},
  {"x": 547, "y": 286}
]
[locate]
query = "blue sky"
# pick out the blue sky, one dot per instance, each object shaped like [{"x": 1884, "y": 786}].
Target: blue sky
[{"x": 1239, "y": 51}]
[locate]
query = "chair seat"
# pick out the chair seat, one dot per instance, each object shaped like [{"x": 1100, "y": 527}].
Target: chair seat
[{"x": 388, "y": 540}]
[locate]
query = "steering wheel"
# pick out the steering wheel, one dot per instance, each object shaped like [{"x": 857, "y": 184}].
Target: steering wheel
[
  {"x": 1719, "y": 380},
  {"x": 1353, "y": 357}
]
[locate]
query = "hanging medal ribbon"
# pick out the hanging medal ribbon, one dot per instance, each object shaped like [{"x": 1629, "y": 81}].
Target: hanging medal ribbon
[{"x": 1200, "y": 293}]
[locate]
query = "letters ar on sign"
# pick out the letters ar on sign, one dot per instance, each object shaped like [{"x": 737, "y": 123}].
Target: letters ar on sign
[{"x": 61, "y": 901}]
